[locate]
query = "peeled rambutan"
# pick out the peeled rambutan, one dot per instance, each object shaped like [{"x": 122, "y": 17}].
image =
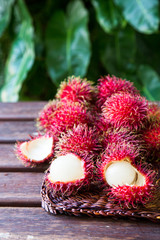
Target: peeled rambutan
[
  {"x": 110, "y": 85},
  {"x": 68, "y": 174},
  {"x": 126, "y": 183},
  {"x": 64, "y": 116},
  {"x": 125, "y": 110},
  {"x": 77, "y": 90},
  {"x": 81, "y": 140},
  {"x": 36, "y": 151}
]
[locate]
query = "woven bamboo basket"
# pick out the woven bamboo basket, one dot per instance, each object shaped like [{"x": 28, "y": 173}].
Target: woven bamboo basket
[{"x": 96, "y": 203}]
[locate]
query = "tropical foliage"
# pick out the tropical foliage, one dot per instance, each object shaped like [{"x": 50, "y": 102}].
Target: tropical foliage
[{"x": 43, "y": 42}]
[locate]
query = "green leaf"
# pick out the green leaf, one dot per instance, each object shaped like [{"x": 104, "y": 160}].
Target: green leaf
[
  {"x": 21, "y": 56},
  {"x": 107, "y": 14},
  {"x": 143, "y": 15},
  {"x": 118, "y": 52},
  {"x": 151, "y": 82},
  {"x": 5, "y": 14},
  {"x": 67, "y": 43}
]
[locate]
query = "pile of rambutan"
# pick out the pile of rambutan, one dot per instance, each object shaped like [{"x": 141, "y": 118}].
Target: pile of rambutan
[{"x": 107, "y": 135}]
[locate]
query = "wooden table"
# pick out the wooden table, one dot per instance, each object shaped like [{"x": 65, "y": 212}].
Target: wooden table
[{"x": 21, "y": 215}]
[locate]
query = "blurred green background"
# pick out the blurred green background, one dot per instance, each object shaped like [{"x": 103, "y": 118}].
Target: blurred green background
[{"x": 43, "y": 42}]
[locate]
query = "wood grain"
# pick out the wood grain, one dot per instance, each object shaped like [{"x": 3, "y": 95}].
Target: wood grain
[
  {"x": 20, "y": 188},
  {"x": 16, "y": 131},
  {"x": 20, "y": 111},
  {"x": 34, "y": 223},
  {"x": 10, "y": 163}
]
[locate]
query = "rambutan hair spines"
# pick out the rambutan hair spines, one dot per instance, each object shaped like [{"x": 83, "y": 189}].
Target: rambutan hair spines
[
  {"x": 81, "y": 140},
  {"x": 77, "y": 89},
  {"x": 125, "y": 110},
  {"x": 107, "y": 86}
]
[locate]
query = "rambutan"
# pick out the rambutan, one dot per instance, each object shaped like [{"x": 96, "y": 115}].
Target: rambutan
[
  {"x": 77, "y": 89},
  {"x": 122, "y": 136},
  {"x": 81, "y": 140},
  {"x": 125, "y": 182},
  {"x": 125, "y": 110},
  {"x": 64, "y": 116},
  {"x": 36, "y": 151},
  {"x": 46, "y": 115},
  {"x": 110, "y": 85},
  {"x": 68, "y": 174},
  {"x": 153, "y": 112},
  {"x": 151, "y": 138}
]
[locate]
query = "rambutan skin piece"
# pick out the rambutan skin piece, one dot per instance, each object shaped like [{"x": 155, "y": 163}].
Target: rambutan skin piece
[
  {"x": 110, "y": 85},
  {"x": 68, "y": 188},
  {"x": 125, "y": 110},
  {"x": 25, "y": 151},
  {"x": 81, "y": 140},
  {"x": 64, "y": 117},
  {"x": 77, "y": 90}
]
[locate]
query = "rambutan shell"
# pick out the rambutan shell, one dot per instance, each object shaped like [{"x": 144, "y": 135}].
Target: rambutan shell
[{"x": 36, "y": 151}]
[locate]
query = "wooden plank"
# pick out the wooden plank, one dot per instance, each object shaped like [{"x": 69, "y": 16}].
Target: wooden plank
[
  {"x": 16, "y": 131},
  {"x": 9, "y": 161},
  {"x": 20, "y": 188},
  {"x": 20, "y": 110},
  {"x": 35, "y": 223}
]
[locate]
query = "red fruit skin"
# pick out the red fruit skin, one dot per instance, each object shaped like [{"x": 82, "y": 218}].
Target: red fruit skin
[
  {"x": 125, "y": 110},
  {"x": 151, "y": 137},
  {"x": 120, "y": 136},
  {"x": 77, "y": 90},
  {"x": 81, "y": 140},
  {"x": 44, "y": 120},
  {"x": 64, "y": 116},
  {"x": 135, "y": 196},
  {"x": 110, "y": 85},
  {"x": 71, "y": 188},
  {"x": 153, "y": 112},
  {"x": 116, "y": 151},
  {"x": 126, "y": 196},
  {"x": 31, "y": 162}
]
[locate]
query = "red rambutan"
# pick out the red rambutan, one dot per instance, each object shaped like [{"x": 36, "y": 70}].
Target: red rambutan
[
  {"x": 46, "y": 115},
  {"x": 125, "y": 110},
  {"x": 81, "y": 140},
  {"x": 64, "y": 116},
  {"x": 68, "y": 174},
  {"x": 110, "y": 85},
  {"x": 153, "y": 112},
  {"x": 77, "y": 90},
  {"x": 36, "y": 151},
  {"x": 151, "y": 138}
]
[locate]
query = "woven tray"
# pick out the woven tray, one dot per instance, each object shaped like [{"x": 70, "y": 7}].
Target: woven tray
[{"x": 95, "y": 203}]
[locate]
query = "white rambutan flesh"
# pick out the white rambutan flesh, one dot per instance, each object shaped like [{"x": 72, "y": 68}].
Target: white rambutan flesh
[
  {"x": 121, "y": 173},
  {"x": 37, "y": 149},
  {"x": 66, "y": 168}
]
